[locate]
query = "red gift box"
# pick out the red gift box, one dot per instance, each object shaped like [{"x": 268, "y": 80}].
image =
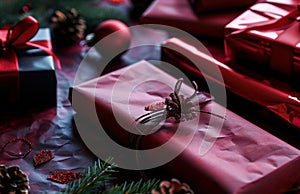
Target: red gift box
[
  {"x": 267, "y": 34},
  {"x": 201, "y": 6},
  {"x": 180, "y": 14},
  {"x": 194, "y": 62},
  {"x": 243, "y": 159}
]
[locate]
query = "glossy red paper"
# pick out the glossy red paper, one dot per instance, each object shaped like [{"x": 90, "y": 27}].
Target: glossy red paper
[
  {"x": 283, "y": 104},
  {"x": 267, "y": 34},
  {"x": 243, "y": 159}
]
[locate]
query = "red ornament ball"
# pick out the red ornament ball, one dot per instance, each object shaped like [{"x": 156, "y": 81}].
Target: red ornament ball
[{"x": 120, "y": 39}]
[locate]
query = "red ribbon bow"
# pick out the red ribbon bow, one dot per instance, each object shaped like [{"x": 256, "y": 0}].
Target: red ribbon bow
[{"x": 17, "y": 37}]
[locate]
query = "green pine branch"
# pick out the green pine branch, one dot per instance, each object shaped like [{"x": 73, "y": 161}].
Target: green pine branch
[
  {"x": 139, "y": 187},
  {"x": 96, "y": 177},
  {"x": 10, "y": 11},
  {"x": 93, "y": 179}
]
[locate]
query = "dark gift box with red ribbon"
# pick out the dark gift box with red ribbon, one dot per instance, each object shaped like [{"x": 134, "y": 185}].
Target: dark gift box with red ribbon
[
  {"x": 27, "y": 72},
  {"x": 267, "y": 37},
  {"x": 215, "y": 151}
]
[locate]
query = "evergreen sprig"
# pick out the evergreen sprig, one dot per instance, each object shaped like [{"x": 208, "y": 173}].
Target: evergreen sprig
[
  {"x": 94, "y": 177},
  {"x": 97, "y": 177},
  {"x": 140, "y": 187},
  {"x": 11, "y": 11}
]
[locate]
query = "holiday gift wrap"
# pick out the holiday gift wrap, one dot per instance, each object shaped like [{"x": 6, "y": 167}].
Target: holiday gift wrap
[
  {"x": 215, "y": 152},
  {"x": 201, "y": 6},
  {"x": 27, "y": 71},
  {"x": 190, "y": 59},
  {"x": 180, "y": 14},
  {"x": 267, "y": 34}
]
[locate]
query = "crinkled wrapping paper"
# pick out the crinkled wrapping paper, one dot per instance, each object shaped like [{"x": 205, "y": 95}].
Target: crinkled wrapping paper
[
  {"x": 52, "y": 130},
  {"x": 179, "y": 14},
  {"x": 244, "y": 158},
  {"x": 201, "y": 6},
  {"x": 283, "y": 104},
  {"x": 267, "y": 34}
]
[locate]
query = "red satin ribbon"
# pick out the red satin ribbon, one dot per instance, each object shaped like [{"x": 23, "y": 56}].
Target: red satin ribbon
[{"x": 17, "y": 37}]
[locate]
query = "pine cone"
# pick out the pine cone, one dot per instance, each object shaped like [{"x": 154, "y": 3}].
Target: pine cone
[
  {"x": 13, "y": 180},
  {"x": 173, "y": 187},
  {"x": 68, "y": 28}
]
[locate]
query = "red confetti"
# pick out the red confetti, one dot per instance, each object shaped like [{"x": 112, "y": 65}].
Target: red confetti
[
  {"x": 42, "y": 157},
  {"x": 64, "y": 177}
]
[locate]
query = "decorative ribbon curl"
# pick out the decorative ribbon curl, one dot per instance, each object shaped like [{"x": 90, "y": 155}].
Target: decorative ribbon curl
[{"x": 18, "y": 37}]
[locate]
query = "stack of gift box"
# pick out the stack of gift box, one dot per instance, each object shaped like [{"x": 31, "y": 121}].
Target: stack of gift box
[
  {"x": 226, "y": 153},
  {"x": 239, "y": 157},
  {"x": 262, "y": 35},
  {"x": 261, "y": 41},
  {"x": 243, "y": 158},
  {"x": 267, "y": 35}
]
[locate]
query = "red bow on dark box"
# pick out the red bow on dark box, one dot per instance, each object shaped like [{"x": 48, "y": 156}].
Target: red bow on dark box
[
  {"x": 27, "y": 73},
  {"x": 18, "y": 37}
]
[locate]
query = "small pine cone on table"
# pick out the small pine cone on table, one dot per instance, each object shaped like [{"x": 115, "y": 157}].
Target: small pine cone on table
[
  {"x": 173, "y": 187},
  {"x": 68, "y": 28},
  {"x": 13, "y": 180}
]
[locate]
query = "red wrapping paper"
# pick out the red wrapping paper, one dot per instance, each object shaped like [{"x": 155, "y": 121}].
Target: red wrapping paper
[
  {"x": 201, "y": 6},
  {"x": 282, "y": 104},
  {"x": 243, "y": 159},
  {"x": 180, "y": 14},
  {"x": 266, "y": 34}
]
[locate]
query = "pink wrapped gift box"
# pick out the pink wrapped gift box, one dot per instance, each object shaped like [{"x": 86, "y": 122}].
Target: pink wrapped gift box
[
  {"x": 180, "y": 14},
  {"x": 243, "y": 159},
  {"x": 267, "y": 34},
  {"x": 201, "y": 6}
]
